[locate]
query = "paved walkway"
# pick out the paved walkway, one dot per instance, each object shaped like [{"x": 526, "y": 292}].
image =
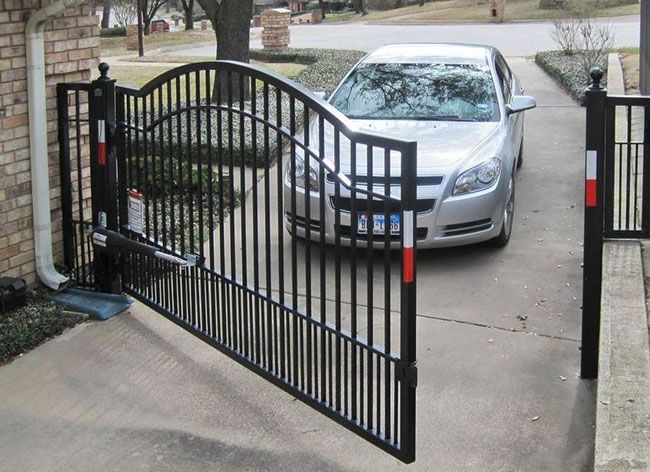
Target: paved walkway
[{"x": 498, "y": 358}]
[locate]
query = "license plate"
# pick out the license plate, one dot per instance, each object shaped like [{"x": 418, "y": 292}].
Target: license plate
[{"x": 378, "y": 223}]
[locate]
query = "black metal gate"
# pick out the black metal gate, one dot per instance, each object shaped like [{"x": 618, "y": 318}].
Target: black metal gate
[
  {"x": 617, "y": 193},
  {"x": 302, "y": 233}
]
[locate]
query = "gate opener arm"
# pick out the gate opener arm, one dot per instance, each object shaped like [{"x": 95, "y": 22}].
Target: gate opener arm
[{"x": 112, "y": 241}]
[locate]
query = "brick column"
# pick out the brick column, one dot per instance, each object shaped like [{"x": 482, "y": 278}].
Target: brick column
[{"x": 275, "y": 22}]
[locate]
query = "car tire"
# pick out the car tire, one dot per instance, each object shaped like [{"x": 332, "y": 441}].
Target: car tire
[
  {"x": 508, "y": 217},
  {"x": 520, "y": 157}
]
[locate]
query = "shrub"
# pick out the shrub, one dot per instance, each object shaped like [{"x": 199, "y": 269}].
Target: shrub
[
  {"x": 113, "y": 32},
  {"x": 566, "y": 70}
]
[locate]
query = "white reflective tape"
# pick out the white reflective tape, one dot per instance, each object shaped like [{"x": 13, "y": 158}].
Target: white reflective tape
[
  {"x": 408, "y": 228},
  {"x": 101, "y": 131},
  {"x": 592, "y": 164}
]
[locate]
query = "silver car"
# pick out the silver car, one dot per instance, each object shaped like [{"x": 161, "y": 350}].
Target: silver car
[{"x": 464, "y": 107}]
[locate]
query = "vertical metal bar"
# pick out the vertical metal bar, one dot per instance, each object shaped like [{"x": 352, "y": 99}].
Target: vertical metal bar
[
  {"x": 628, "y": 167},
  {"x": 596, "y": 97},
  {"x": 294, "y": 240},
  {"x": 645, "y": 199},
  {"x": 408, "y": 303},
  {"x": 256, "y": 254},
  {"x": 214, "y": 294},
  {"x": 387, "y": 299},
  {"x": 307, "y": 262},
  {"x": 323, "y": 269},
  {"x": 337, "y": 267},
  {"x": 283, "y": 354},
  {"x": 63, "y": 120},
  {"x": 225, "y": 306},
  {"x": 271, "y": 320},
  {"x": 353, "y": 277},
  {"x": 370, "y": 280},
  {"x": 609, "y": 183},
  {"x": 234, "y": 313}
]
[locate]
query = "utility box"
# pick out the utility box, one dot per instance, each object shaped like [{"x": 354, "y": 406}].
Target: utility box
[
  {"x": 497, "y": 10},
  {"x": 13, "y": 293}
]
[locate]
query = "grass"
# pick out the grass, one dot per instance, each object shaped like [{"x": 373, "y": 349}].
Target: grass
[
  {"x": 459, "y": 10},
  {"x": 117, "y": 46},
  {"x": 25, "y": 328}
]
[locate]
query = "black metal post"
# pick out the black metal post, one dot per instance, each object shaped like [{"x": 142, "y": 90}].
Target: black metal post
[
  {"x": 103, "y": 175},
  {"x": 140, "y": 29},
  {"x": 408, "y": 370},
  {"x": 595, "y": 98}
]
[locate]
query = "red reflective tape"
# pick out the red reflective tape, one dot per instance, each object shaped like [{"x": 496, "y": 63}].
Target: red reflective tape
[
  {"x": 591, "y": 189},
  {"x": 101, "y": 152},
  {"x": 408, "y": 264}
]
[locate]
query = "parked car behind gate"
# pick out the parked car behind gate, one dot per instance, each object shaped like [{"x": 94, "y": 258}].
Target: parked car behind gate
[
  {"x": 464, "y": 107},
  {"x": 159, "y": 26}
]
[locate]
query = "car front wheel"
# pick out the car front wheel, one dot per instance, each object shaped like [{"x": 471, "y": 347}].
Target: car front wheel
[{"x": 508, "y": 216}]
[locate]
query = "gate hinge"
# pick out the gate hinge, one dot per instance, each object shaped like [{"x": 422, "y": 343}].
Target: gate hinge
[{"x": 407, "y": 372}]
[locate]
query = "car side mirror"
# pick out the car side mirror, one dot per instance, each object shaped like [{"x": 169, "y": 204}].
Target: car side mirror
[
  {"x": 520, "y": 103},
  {"x": 321, "y": 94}
]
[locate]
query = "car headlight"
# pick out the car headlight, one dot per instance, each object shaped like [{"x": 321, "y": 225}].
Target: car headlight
[
  {"x": 478, "y": 178},
  {"x": 301, "y": 178}
]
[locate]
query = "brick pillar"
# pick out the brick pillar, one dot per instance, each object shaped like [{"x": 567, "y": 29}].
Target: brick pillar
[
  {"x": 132, "y": 38},
  {"x": 275, "y": 22},
  {"x": 497, "y": 10}
]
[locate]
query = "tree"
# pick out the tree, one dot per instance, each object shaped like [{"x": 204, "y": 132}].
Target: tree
[
  {"x": 106, "y": 14},
  {"x": 231, "y": 21},
  {"x": 188, "y": 9},
  {"x": 323, "y": 7},
  {"x": 360, "y": 7},
  {"x": 126, "y": 11},
  {"x": 149, "y": 9}
]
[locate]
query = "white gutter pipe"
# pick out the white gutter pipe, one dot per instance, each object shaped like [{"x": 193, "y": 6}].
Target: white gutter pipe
[{"x": 38, "y": 143}]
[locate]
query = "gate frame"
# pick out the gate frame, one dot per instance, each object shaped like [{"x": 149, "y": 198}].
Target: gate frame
[{"x": 108, "y": 191}]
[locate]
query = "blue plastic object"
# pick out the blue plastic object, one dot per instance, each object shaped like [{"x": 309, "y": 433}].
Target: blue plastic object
[{"x": 101, "y": 306}]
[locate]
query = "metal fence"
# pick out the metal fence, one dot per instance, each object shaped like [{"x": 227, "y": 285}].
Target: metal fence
[
  {"x": 245, "y": 172},
  {"x": 617, "y": 193},
  {"x": 73, "y": 136}
]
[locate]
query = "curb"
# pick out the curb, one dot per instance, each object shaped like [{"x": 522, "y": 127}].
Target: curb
[{"x": 623, "y": 404}]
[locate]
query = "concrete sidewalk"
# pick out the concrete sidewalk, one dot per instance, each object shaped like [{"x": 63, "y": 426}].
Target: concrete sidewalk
[{"x": 498, "y": 358}]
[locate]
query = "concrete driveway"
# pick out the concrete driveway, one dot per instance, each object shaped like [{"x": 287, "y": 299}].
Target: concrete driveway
[
  {"x": 512, "y": 39},
  {"x": 498, "y": 357}
]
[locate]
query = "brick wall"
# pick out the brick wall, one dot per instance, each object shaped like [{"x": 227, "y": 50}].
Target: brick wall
[{"x": 72, "y": 52}]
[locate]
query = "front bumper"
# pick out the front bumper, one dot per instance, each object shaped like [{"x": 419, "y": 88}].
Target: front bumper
[{"x": 442, "y": 220}]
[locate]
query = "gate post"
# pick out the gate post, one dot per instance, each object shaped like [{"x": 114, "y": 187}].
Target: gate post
[
  {"x": 408, "y": 369},
  {"x": 595, "y": 97},
  {"x": 103, "y": 175}
]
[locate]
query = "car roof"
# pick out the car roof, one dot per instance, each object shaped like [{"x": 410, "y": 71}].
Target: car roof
[{"x": 445, "y": 53}]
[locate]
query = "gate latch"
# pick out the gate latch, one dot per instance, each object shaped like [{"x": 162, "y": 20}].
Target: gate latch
[
  {"x": 407, "y": 372},
  {"x": 115, "y": 242}
]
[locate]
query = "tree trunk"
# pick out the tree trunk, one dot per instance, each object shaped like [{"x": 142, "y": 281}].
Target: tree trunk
[
  {"x": 231, "y": 21},
  {"x": 188, "y": 10},
  {"x": 106, "y": 14},
  {"x": 322, "y": 7}
]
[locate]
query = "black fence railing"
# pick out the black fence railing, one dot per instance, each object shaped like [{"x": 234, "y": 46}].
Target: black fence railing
[
  {"x": 617, "y": 193},
  {"x": 74, "y": 139}
]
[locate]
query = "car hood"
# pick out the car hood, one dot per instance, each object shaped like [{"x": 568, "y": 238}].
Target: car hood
[{"x": 441, "y": 144}]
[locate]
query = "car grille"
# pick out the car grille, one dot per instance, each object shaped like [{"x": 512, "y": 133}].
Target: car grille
[
  {"x": 314, "y": 225},
  {"x": 378, "y": 206},
  {"x": 467, "y": 228},
  {"x": 380, "y": 180}
]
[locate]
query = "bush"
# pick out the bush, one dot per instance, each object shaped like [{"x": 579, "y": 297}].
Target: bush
[
  {"x": 567, "y": 71},
  {"x": 117, "y": 31}
]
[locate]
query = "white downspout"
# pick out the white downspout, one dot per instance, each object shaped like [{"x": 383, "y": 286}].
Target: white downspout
[{"x": 38, "y": 142}]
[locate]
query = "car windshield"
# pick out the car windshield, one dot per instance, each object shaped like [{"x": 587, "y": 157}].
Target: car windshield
[{"x": 395, "y": 91}]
